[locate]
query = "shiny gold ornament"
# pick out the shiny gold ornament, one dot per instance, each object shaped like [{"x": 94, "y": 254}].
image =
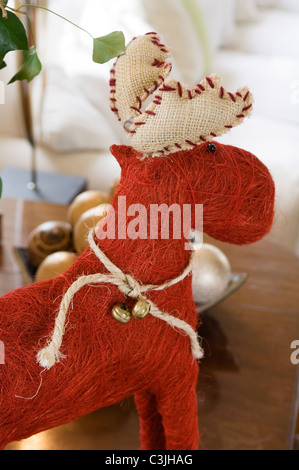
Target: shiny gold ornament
[
  {"x": 141, "y": 309},
  {"x": 48, "y": 238},
  {"x": 85, "y": 201},
  {"x": 120, "y": 313},
  {"x": 55, "y": 264}
]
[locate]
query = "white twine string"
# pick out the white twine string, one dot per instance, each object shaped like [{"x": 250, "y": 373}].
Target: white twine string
[{"x": 51, "y": 354}]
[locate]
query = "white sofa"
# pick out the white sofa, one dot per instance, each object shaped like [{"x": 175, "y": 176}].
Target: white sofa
[{"x": 248, "y": 42}]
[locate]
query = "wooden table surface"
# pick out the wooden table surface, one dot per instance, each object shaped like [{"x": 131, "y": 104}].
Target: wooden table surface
[{"x": 247, "y": 389}]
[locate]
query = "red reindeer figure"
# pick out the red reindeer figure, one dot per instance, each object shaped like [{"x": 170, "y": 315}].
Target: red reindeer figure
[{"x": 65, "y": 353}]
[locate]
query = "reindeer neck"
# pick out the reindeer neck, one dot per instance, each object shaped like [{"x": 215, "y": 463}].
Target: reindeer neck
[{"x": 148, "y": 260}]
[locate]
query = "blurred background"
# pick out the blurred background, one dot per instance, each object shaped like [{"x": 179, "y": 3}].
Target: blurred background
[{"x": 248, "y": 42}]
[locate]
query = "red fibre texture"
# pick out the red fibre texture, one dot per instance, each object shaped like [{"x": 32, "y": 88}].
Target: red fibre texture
[{"x": 104, "y": 360}]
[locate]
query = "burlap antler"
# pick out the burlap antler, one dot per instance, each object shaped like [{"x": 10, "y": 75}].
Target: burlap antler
[
  {"x": 137, "y": 74},
  {"x": 177, "y": 118}
]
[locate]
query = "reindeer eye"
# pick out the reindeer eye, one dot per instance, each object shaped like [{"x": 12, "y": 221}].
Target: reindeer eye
[{"x": 212, "y": 148}]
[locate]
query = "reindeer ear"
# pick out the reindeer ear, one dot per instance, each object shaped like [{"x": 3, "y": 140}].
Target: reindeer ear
[{"x": 125, "y": 155}]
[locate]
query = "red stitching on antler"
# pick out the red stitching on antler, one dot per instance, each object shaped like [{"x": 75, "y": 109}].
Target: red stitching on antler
[
  {"x": 231, "y": 96},
  {"x": 180, "y": 90},
  {"x": 191, "y": 143},
  {"x": 210, "y": 82},
  {"x": 151, "y": 113},
  {"x": 139, "y": 101},
  {"x": 247, "y": 107},
  {"x": 112, "y": 82},
  {"x": 246, "y": 96},
  {"x": 156, "y": 86},
  {"x": 158, "y": 63},
  {"x": 221, "y": 92},
  {"x": 167, "y": 88},
  {"x": 135, "y": 109}
]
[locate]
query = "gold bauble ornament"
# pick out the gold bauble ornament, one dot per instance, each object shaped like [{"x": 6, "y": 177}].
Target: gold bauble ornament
[
  {"x": 121, "y": 314},
  {"x": 83, "y": 202},
  {"x": 87, "y": 221},
  {"x": 55, "y": 264},
  {"x": 48, "y": 238},
  {"x": 141, "y": 309},
  {"x": 211, "y": 273}
]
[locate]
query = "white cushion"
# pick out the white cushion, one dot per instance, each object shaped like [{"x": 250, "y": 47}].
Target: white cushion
[
  {"x": 274, "y": 81},
  {"x": 75, "y": 112},
  {"x": 275, "y": 144},
  {"x": 276, "y": 34},
  {"x": 166, "y": 17},
  {"x": 292, "y": 5},
  {"x": 70, "y": 120},
  {"x": 246, "y": 10},
  {"x": 220, "y": 21}
]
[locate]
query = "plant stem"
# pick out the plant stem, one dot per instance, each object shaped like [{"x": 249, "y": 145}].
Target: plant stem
[
  {"x": 4, "y": 12},
  {"x": 17, "y": 10},
  {"x": 31, "y": 29}
]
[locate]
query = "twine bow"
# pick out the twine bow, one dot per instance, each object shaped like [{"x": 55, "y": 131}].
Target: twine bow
[{"x": 129, "y": 286}]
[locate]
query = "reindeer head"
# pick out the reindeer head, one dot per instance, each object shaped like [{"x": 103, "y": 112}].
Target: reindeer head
[{"x": 179, "y": 126}]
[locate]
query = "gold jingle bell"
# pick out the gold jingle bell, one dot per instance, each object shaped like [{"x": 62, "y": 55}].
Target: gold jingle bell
[
  {"x": 120, "y": 313},
  {"x": 141, "y": 309}
]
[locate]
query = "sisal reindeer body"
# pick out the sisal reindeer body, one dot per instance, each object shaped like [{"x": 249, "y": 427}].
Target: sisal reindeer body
[{"x": 100, "y": 361}]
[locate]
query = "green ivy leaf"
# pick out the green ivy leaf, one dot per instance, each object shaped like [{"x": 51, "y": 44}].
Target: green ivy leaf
[
  {"x": 30, "y": 66},
  {"x": 2, "y": 64},
  {"x": 107, "y": 47},
  {"x": 12, "y": 35}
]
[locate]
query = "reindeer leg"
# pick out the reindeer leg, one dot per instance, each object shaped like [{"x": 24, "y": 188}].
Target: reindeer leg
[
  {"x": 177, "y": 404},
  {"x": 152, "y": 435}
]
